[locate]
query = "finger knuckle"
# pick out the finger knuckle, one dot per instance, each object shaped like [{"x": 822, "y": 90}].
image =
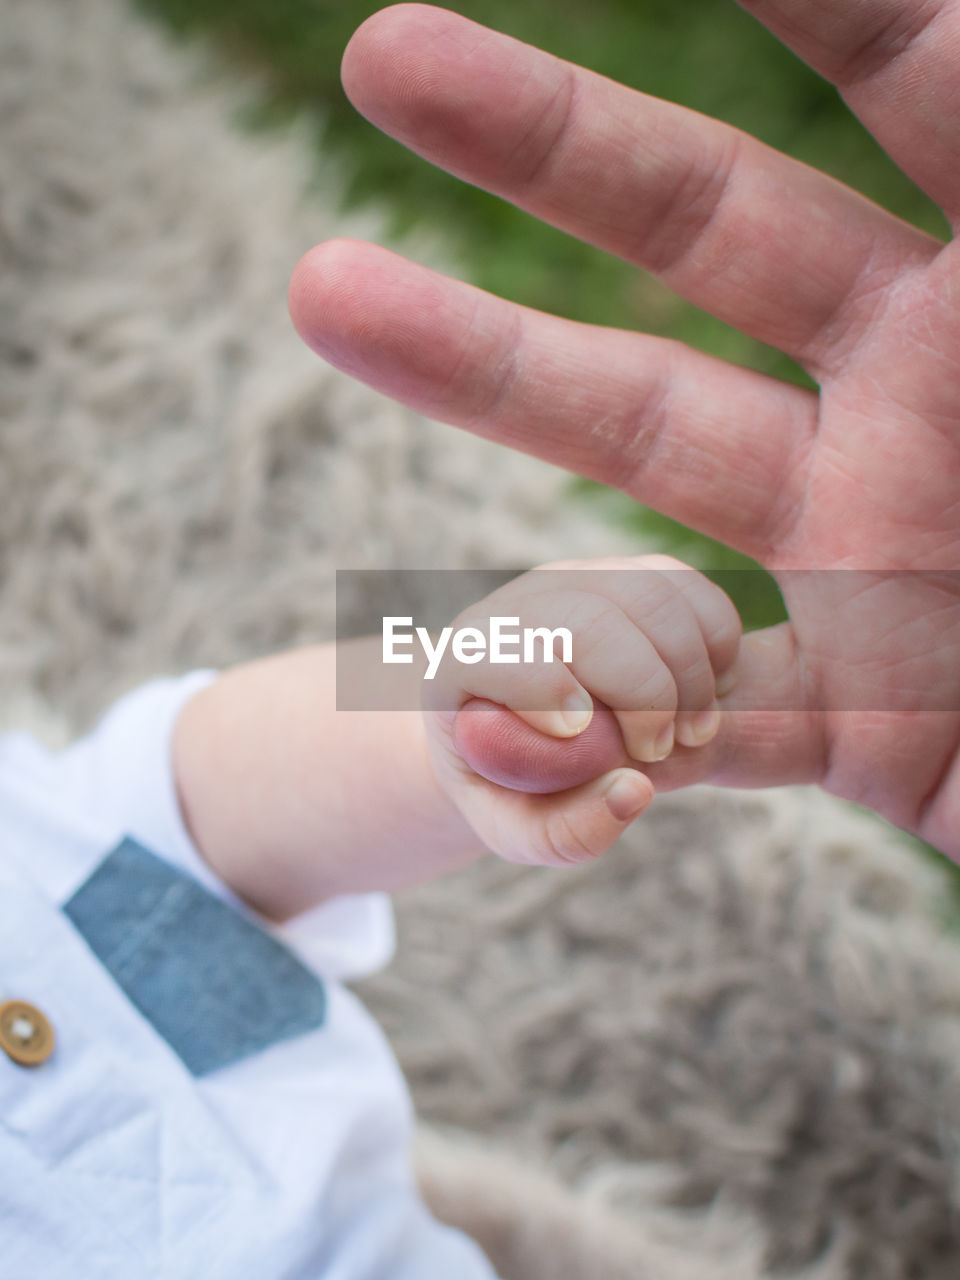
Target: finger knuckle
[
  {"x": 595, "y": 625},
  {"x": 657, "y": 691},
  {"x": 564, "y": 844}
]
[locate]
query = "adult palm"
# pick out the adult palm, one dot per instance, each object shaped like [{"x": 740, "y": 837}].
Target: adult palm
[{"x": 860, "y": 691}]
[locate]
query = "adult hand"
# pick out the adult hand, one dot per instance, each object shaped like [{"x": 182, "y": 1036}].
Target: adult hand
[{"x": 865, "y": 677}]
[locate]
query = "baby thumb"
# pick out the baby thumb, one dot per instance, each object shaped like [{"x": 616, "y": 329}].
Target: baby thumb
[{"x": 504, "y": 749}]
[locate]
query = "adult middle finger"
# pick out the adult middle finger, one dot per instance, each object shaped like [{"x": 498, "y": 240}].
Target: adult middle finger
[{"x": 769, "y": 245}]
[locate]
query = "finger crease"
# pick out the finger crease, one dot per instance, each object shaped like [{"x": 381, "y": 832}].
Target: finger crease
[
  {"x": 562, "y": 105},
  {"x": 886, "y": 43},
  {"x": 499, "y": 375},
  {"x": 786, "y": 508},
  {"x": 641, "y": 442},
  {"x": 692, "y": 207}
]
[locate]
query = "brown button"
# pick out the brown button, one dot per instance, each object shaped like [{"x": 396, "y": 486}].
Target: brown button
[{"x": 25, "y": 1034}]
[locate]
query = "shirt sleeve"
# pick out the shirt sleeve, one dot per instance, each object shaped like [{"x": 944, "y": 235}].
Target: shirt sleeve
[{"x": 123, "y": 772}]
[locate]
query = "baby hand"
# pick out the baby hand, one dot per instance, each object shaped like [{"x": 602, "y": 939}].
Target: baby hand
[{"x": 541, "y": 756}]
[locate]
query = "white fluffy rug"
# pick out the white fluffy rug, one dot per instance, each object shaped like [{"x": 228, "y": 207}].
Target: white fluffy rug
[{"x": 729, "y": 1049}]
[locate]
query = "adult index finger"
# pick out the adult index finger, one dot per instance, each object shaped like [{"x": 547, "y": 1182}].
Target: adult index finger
[{"x": 720, "y": 448}]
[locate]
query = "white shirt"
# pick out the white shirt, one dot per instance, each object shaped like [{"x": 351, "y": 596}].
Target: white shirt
[{"x": 116, "y": 1163}]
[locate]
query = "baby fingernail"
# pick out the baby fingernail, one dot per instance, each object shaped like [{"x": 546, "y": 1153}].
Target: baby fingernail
[
  {"x": 649, "y": 749},
  {"x": 576, "y": 711},
  {"x": 725, "y": 682},
  {"x": 627, "y": 796},
  {"x": 663, "y": 742},
  {"x": 699, "y": 728}
]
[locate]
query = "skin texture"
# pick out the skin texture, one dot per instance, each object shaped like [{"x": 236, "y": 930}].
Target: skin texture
[
  {"x": 860, "y": 691},
  {"x": 526, "y": 751},
  {"x": 505, "y": 750}
]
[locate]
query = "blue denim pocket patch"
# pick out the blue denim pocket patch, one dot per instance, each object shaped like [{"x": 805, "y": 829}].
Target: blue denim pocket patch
[{"x": 213, "y": 984}]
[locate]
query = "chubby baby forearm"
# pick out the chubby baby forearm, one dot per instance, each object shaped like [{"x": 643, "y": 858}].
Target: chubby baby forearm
[{"x": 292, "y": 802}]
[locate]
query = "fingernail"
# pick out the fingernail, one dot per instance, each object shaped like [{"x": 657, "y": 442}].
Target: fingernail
[
  {"x": 663, "y": 742},
  {"x": 725, "y": 682},
  {"x": 577, "y": 711},
  {"x": 695, "y": 730},
  {"x": 627, "y": 795}
]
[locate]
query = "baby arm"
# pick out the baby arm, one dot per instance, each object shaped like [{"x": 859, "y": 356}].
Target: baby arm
[{"x": 292, "y": 801}]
